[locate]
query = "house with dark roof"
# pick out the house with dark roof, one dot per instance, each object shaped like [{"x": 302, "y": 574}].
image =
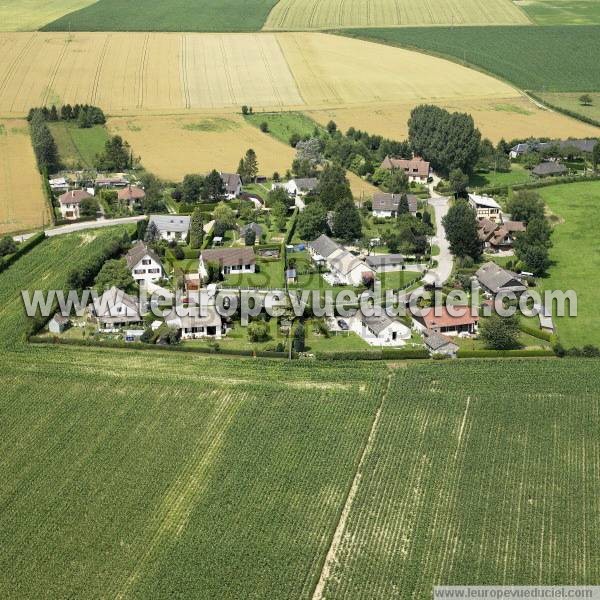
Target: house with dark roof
[
  {"x": 437, "y": 343},
  {"x": 384, "y": 263},
  {"x": 58, "y": 323},
  {"x": 115, "y": 309},
  {"x": 323, "y": 247},
  {"x": 231, "y": 261},
  {"x": 549, "y": 169},
  {"x": 69, "y": 203},
  {"x": 415, "y": 168},
  {"x": 387, "y": 205},
  {"x": 131, "y": 195},
  {"x": 495, "y": 280},
  {"x": 256, "y": 228},
  {"x": 197, "y": 323},
  {"x": 564, "y": 148},
  {"x": 497, "y": 237},
  {"x": 233, "y": 185},
  {"x": 145, "y": 265},
  {"x": 380, "y": 330}
]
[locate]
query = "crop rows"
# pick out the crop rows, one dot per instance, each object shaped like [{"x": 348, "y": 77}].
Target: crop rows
[{"x": 477, "y": 477}]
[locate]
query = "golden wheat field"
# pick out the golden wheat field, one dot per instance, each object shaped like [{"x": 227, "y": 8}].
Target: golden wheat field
[
  {"x": 22, "y": 202},
  {"x": 28, "y": 15},
  {"x": 326, "y": 14},
  {"x": 144, "y": 72},
  {"x": 508, "y": 118}
]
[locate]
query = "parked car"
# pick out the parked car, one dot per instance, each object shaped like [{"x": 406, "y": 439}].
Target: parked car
[{"x": 343, "y": 325}]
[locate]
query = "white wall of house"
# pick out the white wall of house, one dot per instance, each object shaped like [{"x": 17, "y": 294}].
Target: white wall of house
[
  {"x": 147, "y": 270},
  {"x": 384, "y": 214},
  {"x": 394, "y": 335},
  {"x": 70, "y": 211},
  {"x": 227, "y": 270},
  {"x": 173, "y": 236}
]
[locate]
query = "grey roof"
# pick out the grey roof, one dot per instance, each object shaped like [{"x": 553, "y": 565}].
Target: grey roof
[
  {"x": 345, "y": 262},
  {"x": 496, "y": 279},
  {"x": 109, "y": 299},
  {"x": 258, "y": 230},
  {"x": 60, "y": 319},
  {"x": 231, "y": 181},
  {"x": 173, "y": 223},
  {"x": 137, "y": 252},
  {"x": 229, "y": 257},
  {"x": 307, "y": 184},
  {"x": 377, "y": 324},
  {"x": 390, "y": 202},
  {"x": 483, "y": 201},
  {"x": 550, "y": 168},
  {"x": 208, "y": 317},
  {"x": 324, "y": 246},
  {"x": 382, "y": 260},
  {"x": 583, "y": 145},
  {"x": 291, "y": 274},
  {"x": 435, "y": 341}
]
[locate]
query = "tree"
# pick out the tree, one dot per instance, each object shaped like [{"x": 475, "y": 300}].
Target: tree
[
  {"x": 333, "y": 186},
  {"x": 331, "y": 127},
  {"x": 276, "y": 195},
  {"x": 427, "y": 220},
  {"x": 44, "y": 146},
  {"x": 299, "y": 341},
  {"x": 258, "y": 331},
  {"x": 500, "y": 333},
  {"x": 264, "y": 127},
  {"x": 225, "y": 215},
  {"x": 279, "y": 213},
  {"x": 88, "y": 207},
  {"x": 214, "y": 188},
  {"x": 596, "y": 155},
  {"x": 532, "y": 247},
  {"x": 196, "y": 229},
  {"x": 310, "y": 150},
  {"x": 7, "y": 245},
  {"x": 346, "y": 221},
  {"x": 152, "y": 234},
  {"x": 153, "y": 187},
  {"x": 213, "y": 272},
  {"x": 312, "y": 222},
  {"x": 403, "y": 205},
  {"x": 458, "y": 181},
  {"x": 116, "y": 155},
  {"x": 191, "y": 188},
  {"x": 526, "y": 205},
  {"x": 397, "y": 181},
  {"x": 294, "y": 139},
  {"x": 114, "y": 273},
  {"x": 250, "y": 237},
  {"x": 302, "y": 168},
  {"x": 531, "y": 160},
  {"x": 245, "y": 110},
  {"x": 250, "y": 163},
  {"x": 461, "y": 230},
  {"x": 585, "y": 100},
  {"x": 141, "y": 228}
]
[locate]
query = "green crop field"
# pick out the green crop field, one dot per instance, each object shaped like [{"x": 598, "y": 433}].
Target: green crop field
[
  {"x": 46, "y": 267},
  {"x": 78, "y": 147},
  {"x": 576, "y": 256},
  {"x": 562, "y": 12},
  {"x": 175, "y": 15},
  {"x": 552, "y": 59},
  {"x": 283, "y": 125}
]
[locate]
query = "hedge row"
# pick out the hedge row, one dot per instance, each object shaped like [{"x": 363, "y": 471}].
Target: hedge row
[
  {"x": 539, "y": 184},
  {"x": 58, "y": 222},
  {"x": 537, "y": 333},
  {"x": 382, "y": 354},
  {"x": 24, "y": 248},
  {"x": 504, "y": 353}
]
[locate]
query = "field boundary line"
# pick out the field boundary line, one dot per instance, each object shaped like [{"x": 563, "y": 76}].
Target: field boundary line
[
  {"x": 98, "y": 74},
  {"x": 341, "y": 525},
  {"x": 55, "y": 70}
]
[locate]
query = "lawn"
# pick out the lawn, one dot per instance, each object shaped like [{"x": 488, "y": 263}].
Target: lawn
[
  {"x": 517, "y": 174},
  {"x": 283, "y": 124},
  {"x": 562, "y": 12},
  {"x": 176, "y": 15},
  {"x": 269, "y": 276},
  {"x": 557, "y": 59},
  {"x": 78, "y": 147},
  {"x": 576, "y": 256},
  {"x": 570, "y": 102},
  {"x": 397, "y": 280}
]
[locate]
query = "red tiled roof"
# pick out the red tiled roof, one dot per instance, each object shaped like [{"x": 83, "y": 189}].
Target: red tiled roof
[
  {"x": 414, "y": 166},
  {"x": 445, "y": 319},
  {"x": 73, "y": 197}
]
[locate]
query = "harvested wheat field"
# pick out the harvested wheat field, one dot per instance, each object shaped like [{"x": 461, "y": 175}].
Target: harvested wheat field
[
  {"x": 22, "y": 202},
  {"x": 508, "y": 118},
  {"x": 326, "y": 14},
  {"x": 28, "y": 15},
  {"x": 151, "y": 72},
  {"x": 173, "y": 146}
]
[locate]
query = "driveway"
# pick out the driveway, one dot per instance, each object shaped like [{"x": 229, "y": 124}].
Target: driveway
[
  {"x": 74, "y": 227},
  {"x": 442, "y": 272}
]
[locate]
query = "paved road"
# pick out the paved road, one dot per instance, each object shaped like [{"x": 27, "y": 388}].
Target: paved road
[
  {"x": 74, "y": 227},
  {"x": 442, "y": 272}
]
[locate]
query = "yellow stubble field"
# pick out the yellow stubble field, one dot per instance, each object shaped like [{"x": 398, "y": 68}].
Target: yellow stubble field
[{"x": 22, "y": 202}]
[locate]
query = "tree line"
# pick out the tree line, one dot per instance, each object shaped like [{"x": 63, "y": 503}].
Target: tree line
[{"x": 85, "y": 115}]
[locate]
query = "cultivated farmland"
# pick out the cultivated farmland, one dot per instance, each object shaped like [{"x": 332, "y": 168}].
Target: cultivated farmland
[
  {"x": 562, "y": 12},
  {"x": 463, "y": 486},
  {"x": 175, "y": 15},
  {"x": 328, "y": 14},
  {"x": 22, "y": 202},
  {"x": 554, "y": 59},
  {"x": 28, "y": 15},
  {"x": 508, "y": 118}
]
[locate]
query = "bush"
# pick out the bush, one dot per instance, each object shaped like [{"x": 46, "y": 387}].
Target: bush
[
  {"x": 504, "y": 353},
  {"x": 258, "y": 331},
  {"x": 178, "y": 252}
]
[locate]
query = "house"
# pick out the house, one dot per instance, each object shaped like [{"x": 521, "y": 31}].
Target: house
[
  {"x": 565, "y": 147},
  {"x": 485, "y": 208},
  {"x": 549, "y": 169},
  {"x": 437, "y": 343},
  {"x": 386, "y": 205},
  {"x": 233, "y": 185},
  {"x": 256, "y": 228},
  {"x": 58, "y": 323},
  {"x": 495, "y": 280},
  {"x": 497, "y": 237},
  {"x": 301, "y": 186},
  {"x": 291, "y": 276},
  {"x": 197, "y": 323},
  {"x": 231, "y": 261},
  {"x": 321, "y": 248},
  {"x": 385, "y": 263},
  {"x": 380, "y": 330},
  {"x": 447, "y": 320},
  {"x": 172, "y": 228},
  {"x": 131, "y": 195},
  {"x": 115, "y": 309},
  {"x": 58, "y": 184},
  {"x": 145, "y": 265},
  {"x": 108, "y": 182},
  {"x": 415, "y": 168},
  {"x": 69, "y": 203}
]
